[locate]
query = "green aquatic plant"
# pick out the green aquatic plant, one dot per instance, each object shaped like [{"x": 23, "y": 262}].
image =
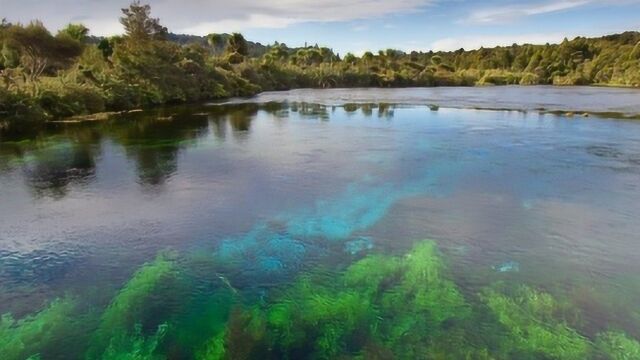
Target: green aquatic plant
[
  {"x": 132, "y": 302},
  {"x": 312, "y": 318},
  {"x": 25, "y": 338},
  {"x": 424, "y": 286},
  {"x": 381, "y": 304},
  {"x": 135, "y": 346},
  {"x": 202, "y": 315},
  {"x": 535, "y": 325},
  {"x": 373, "y": 274},
  {"x": 243, "y": 338},
  {"x": 422, "y": 306},
  {"x": 617, "y": 346},
  {"x": 214, "y": 349},
  {"x": 319, "y": 317},
  {"x": 380, "y": 307},
  {"x": 195, "y": 332}
]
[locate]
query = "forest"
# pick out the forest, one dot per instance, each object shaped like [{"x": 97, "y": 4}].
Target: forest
[{"x": 45, "y": 76}]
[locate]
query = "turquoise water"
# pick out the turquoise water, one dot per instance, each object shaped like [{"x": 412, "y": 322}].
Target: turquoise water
[{"x": 243, "y": 212}]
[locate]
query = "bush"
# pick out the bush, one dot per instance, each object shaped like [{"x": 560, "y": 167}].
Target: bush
[
  {"x": 529, "y": 79},
  {"x": 60, "y": 99},
  {"x": 18, "y": 107}
]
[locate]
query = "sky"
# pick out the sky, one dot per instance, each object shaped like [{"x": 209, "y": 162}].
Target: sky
[{"x": 355, "y": 25}]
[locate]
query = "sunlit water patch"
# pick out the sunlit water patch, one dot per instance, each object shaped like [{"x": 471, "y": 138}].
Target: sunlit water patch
[{"x": 295, "y": 230}]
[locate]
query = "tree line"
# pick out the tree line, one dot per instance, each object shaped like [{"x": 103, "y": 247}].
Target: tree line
[{"x": 44, "y": 76}]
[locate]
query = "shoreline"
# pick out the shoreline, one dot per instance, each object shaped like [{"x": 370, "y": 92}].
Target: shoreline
[{"x": 447, "y": 104}]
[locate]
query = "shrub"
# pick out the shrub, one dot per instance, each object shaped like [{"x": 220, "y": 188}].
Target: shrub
[{"x": 59, "y": 99}]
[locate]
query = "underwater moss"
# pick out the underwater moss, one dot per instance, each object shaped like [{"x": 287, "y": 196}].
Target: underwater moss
[
  {"x": 135, "y": 346},
  {"x": 243, "y": 338},
  {"x": 423, "y": 306},
  {"x": 393, "y": 304},
  {"x": 372, "y": 274},
  {"x": 318, "y": 317},
  {"x": 424, "y": 287},
  {"x": 214, "y": 349},
  {"x": 25, "y": 338},
  {"x": 535, "y": 325},
  {"x": 199, "y": 332},
  {"x": 311, "y": 318},
  {"x": 131, "y": 303},
  {"x": 380, "y": 307},
  {"x": 617, "y": 346}
]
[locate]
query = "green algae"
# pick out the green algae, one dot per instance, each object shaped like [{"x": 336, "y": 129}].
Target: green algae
[
  {"x": 379, "y": 302},
  {"x": 386, "y": 307},
  {"x": 194, "y": 331},
  {"x": 424, "y": 308},
  {"x": 129, "y": 306},
  {"x": 617, "y": 346},
  {"x": 242, "y": 338},
  {"x": 135, "y": 346},
  {"x": 371, "y": 274},
  {"x": 379, "y": 307},
  {"x": 315, "y": 318},
  {"x": 26, "y": 337},
  {"x": 536, "y": 324},
  {"x": 424, "y": 287}
]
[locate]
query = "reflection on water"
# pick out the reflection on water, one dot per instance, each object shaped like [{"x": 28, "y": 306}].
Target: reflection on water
[
  {"x": 603, "y": 100},
  {"x": 293, "y": 218}
]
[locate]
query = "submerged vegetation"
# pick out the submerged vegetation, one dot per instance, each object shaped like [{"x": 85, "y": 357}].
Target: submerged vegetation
[
  {"x": 44, "y": 76},
  {"x": 119, "y": 329},
  {"x": 43, "y": 331},
  {"x": 535, "y": 323},
  {"x": 380, "y": 307}
]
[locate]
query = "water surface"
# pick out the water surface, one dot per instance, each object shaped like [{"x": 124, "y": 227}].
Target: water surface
[
  {"x": 604, "y": 100},
  {"x": 250, "y": 196}
]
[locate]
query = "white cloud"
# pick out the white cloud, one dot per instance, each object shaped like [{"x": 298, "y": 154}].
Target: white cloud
[
  {"x": 102, "y": 26},
  {"x": 475, "y": 42},
  {"x": 204, "y": 16},
  {"x": 360, "y": 28},
  {"x": 232, "y": 25},
  {"x": 510, "y": 13},
  {"x": 282, "y": 13}
]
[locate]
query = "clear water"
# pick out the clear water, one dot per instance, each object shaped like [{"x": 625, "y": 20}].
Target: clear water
[{"x": 251, "y": 196}]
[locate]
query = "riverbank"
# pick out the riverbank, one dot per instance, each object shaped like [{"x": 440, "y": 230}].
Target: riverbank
[
  {"x": 79, "y": 75},
  {"x": 570, "y": 101}
]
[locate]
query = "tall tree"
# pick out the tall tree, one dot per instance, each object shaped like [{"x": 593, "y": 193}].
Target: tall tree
[
  {"x": 139, "y": 25},
  {"x": 216, "y": 41},
  {"x": 77, "y": 32},
  {"x": 237, "y": 44}
]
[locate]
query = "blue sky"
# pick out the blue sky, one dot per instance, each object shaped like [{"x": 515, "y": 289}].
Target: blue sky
[{"x": 356, "y": 25}]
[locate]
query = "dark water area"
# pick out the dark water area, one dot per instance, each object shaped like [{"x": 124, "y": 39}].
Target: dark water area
[{"x": 174, "y": 232}]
